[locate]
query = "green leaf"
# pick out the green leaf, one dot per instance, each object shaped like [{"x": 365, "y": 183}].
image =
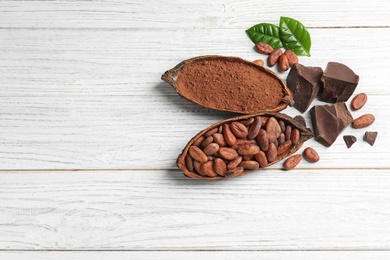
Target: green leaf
[
  {"x": 265, "y": 32},
  {"x": 294, "y": 36}
]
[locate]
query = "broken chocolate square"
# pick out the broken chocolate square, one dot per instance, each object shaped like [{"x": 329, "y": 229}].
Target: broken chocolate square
[
  {"x": 370, "y": 137},
  {"x": 339, "y": 83},
  {"x": 329, "y": 121},
  {"x": 349, "y": 140},
  {"x": 305, "y": 84}
]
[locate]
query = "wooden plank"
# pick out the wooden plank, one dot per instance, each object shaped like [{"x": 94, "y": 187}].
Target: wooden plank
[
  {"x": 146, "y": 255},
  {"x": 189, "y": 14},
  {"x": 94, "y": 99},
  {"x": 162, "y": 210}
]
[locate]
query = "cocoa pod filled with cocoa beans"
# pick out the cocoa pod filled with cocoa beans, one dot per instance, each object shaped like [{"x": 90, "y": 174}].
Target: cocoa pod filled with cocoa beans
[{"x": 242, "y": 144}]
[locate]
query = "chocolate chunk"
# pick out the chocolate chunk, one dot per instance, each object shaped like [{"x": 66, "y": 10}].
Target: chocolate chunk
[
  {"x": 329, "y": 121},
  {"x": 349, "y": 140},
  {"x": 305, "y": 84},
  {"x": 370, "y": 137},
  {"x": 339, "y": 83}
]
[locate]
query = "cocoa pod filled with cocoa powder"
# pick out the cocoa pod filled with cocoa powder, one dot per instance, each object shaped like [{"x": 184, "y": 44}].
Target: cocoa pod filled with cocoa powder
[
  {"x": 242, "y": 144},
  {"x": 229, "y": 84}
]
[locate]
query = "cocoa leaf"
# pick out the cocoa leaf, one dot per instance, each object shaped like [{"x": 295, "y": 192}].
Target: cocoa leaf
[
  {"x": 294, "y": 36},
  {"x": 265, "y": 32}
]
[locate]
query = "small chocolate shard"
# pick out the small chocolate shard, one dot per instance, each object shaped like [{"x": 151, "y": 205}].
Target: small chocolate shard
[
  {"x": 305, "y": 84},
  {"x": 370, "y": 137},
  {"x": 349, "y": 140},
  {"x": 339, "y": 83},
  {"x": 300, "y": 119},
  {"x": 329, "y": 121}
]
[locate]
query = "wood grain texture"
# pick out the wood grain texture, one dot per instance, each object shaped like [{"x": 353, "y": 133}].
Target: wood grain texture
[
  {"x": 172, "y": 255},
  {"x": 162, "y": 210},
  {"x": 94, "y": 99},
  {"x": 189, "y": 14}
]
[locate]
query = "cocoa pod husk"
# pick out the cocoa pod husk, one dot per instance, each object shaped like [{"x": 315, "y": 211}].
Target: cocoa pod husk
[{"x": 305, "y": 134}]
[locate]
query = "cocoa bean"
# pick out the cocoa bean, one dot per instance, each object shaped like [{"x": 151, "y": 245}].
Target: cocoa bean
[
  {"x": 283, "y": 64},
  {"x": 197, "y": 154},
  {"x": 273, "y": 129},
  {"x": 208, "y": 169},
  {"x": 262, "y": 140},
  {"x": 234, "y": 163},
  {"x": 206, "y": 142},
  {"x": 239, "y": 130},
  {"x": 292, "y": 162},
  {"x": 189, "y": 163},
  {"x": 281, "y": 139},
  {"x": 211, "y": 132},
  {"x": 227, "y": 153},
  {"x": 359, "y": 101},
  {"x": 230, "y": 138},
  {"x": 235, "y": 171},
  {"x": 284, "y": 147},
  {"x": 259, "y": 62},
  {"x": 261, "y": 158},
  {"x": 255, "y": 127},
  {"x": 274, "y": 56},
  {"x": 272, "y": 152},
  {"x": 295, "y": 136},
  {"x": 248, "y": 149},
  {"x": 198, "y": 141},
  {"x": 220, "y": 167},
  {"x": 211, "y": 149},
  {"x": 311, "y": 155},
  {"x": 248, "y": 121},
  {"x": 363, "y": 121},
  {"x": 218, "y": 138},
  {"x": 250, "y": 165},
  {"x": 197, "y": 167},
  {"x": 292, "y": 57},
  {"x": 264, "y": 48},
  {"x": 287, "y": 132}
]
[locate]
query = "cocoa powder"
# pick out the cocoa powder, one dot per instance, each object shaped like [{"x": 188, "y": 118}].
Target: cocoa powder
[{"x": 235, "y": 83}]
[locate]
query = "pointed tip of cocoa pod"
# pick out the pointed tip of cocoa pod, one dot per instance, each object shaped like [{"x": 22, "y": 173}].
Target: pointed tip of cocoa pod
[{"x": 222, "y": 83}]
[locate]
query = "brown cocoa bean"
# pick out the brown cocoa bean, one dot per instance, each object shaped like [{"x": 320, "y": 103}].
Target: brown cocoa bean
[
  {"x": 261, "y": 158},
  {"x": 197, "y": 154},
  {"x": 255, "y": 127},
  {"x": 189, "y": 163},
  {"x": 274, "y": 56},
  {"x": 287, "y": 132},
  {"x": 208, "y": 169},
  {"x": 206, "y": 142},
  {"x": 235, "y": 171},
  {"x": 359, "y": 101},
  {"x": 248, "y": 121},
  {"x": 211, "y": 132},
  {"x": 311, "y": 155},
  {"x": 241, "y": 142},
  {"x": 234, "y": 163},
  {"x": 295, "y": 136},
  {"x": 292, "y": 162},
  {"x": 239, "y": 130},
  {"x": 291, "y": 57},
  {"x": 197, "y": 167},
  {"x": 230, "y": 138},
  {"x": 363, "y": 121},
  {"x": 273, "y": 129},
  {"x": 198, "y": 141},
  {"x": 248, "y": 149},
  {"x": 282, "y": 138},
  {"x": 227, "y": 153},
  {"x": 220, "y": 167},
  {"x": 211, "y": 149},
  {"x": 262, "y": 140},
  {"x": 218, "y": 138},
  {"x": 250, "y": 165},
  {"x": 259, "y": 62},
  {"x": 284, "y": 147},
  {"x": 282, "y": 125},
  {"x": 248, "y": 157},
  {"x": 283, "y": 64},
  {"x": 264, "y": 48},
  {"x": 272, "y": 152}
]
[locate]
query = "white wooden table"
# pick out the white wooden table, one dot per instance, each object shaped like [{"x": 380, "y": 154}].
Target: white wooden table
[{"x": 89, "y": 135}]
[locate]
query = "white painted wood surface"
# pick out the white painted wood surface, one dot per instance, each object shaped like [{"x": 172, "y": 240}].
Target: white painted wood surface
[{"x": 89, "y": 135}]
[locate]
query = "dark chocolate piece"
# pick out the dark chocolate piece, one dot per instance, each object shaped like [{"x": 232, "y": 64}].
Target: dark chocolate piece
[
  {"x": 349, "y": 140},
  {"x": 300, "y": 119},
  {"x": 329, "y": 121},
  {"x": 305, "y": 84},
  {"x": 370, "y": 137},
  {"x": 339, "y": 83}
]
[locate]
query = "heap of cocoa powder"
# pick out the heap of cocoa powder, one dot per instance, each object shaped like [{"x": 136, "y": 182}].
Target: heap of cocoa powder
[{"x": 237, "y": 86}]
